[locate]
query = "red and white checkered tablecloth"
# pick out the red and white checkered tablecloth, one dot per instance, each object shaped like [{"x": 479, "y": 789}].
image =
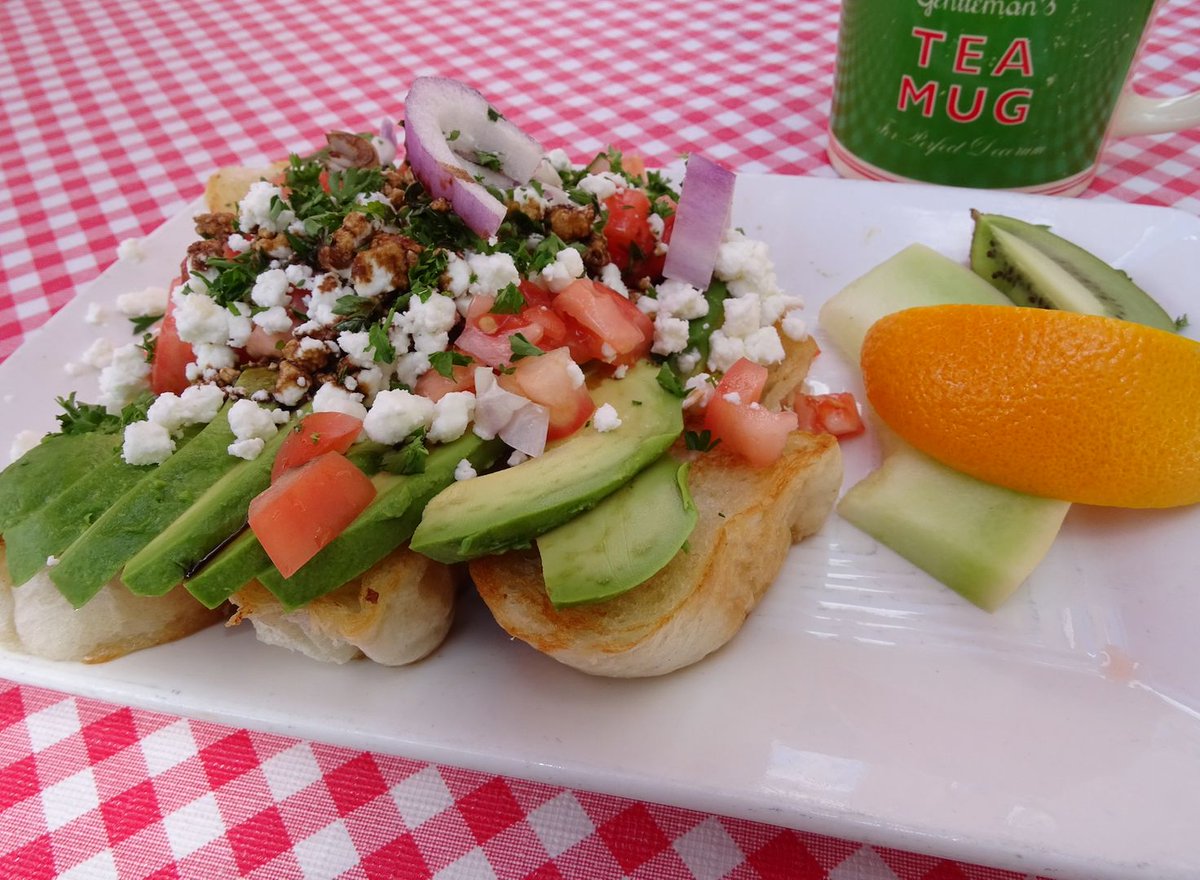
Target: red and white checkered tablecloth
[{"x": 111, "y": 115}]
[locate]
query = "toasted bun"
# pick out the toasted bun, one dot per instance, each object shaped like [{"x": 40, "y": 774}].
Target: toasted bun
[
  {"x": 397, "y": 612},
  {"x": 36, "y": 619},
  {"x": 748, "y": 520},
  {"x": 227, "y": 186}
]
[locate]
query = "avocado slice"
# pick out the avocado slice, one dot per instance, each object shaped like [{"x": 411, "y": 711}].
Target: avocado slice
[
  {"x": 237, "y": 561},
  {"x": 387, "y": 523},
  {"x": 138, "y": 516},
  {"x": 216, "y": 514},
  {"x": 55, "y": 525},
  {"x": 622, "y": 541},
  {"x": 47, "y": 469},
  {"x": 509, "y": 508}
]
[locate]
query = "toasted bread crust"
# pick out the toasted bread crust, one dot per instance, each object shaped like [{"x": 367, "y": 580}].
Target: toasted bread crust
[
  {"x": 749, "y": 518},
  {"x": 395, "y": 613},
  {"x": 228, "y": 186},
  {"x": 35, "y": 619}
]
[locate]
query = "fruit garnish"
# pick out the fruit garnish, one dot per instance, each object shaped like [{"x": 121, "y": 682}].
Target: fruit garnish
[{"x": 1082, "y": 408}]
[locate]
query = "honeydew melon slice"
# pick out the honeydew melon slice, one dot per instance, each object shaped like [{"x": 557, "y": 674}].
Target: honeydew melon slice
[{"x": 980, "y": 540}]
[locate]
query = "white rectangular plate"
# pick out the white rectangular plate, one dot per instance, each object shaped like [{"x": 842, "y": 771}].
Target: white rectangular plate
[{"x": 861, "y": 699}]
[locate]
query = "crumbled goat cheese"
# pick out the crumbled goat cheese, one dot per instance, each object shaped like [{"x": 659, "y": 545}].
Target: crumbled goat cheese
[
  {"x": 743, "y": 316},
  {"x": 249, "y": 449},
  {"x": 605, "y": 419},
  {"x": 124, "y": 378},
  {"x": 451, "y": 415},
  {"x": 411, "y": 367},
  {"x": 248, "y": 419},
  {"x": 794, "y": 326},
  {"x": 724, "y": 351},
  {"x": 96, "y": 314},
  {"x": 517, "y": 457},
  {"x": 619, "y": 372},
  {"x": 464, "y": 471},
  {"x": 199, "y": 319},
  {"x": 146, "y": 443},
  {"x": 355, "y": 346},
  {"x": 331, "y": 398},
  {"x": 271, "y": 288},
  {"x": 763, "y": 346},
  {"x": 143, "y": 303},
  {"x": 209, "y": 359},
  {"x": 610, "y": 277},
  {"x": 687, "y": 361},
  {"x": 395, "y": 414},
  {"x": 254, "y": 210},
  {"x": 670, "y": 334},
  {"x": 576, "y": 374},
  {"x": 238, "y": 243},
  {"x": 733, "y": 397},
  {"x": 274, "y": 320},
  {"x": 602, "y": 185},
  {"x": 130, "y": 250},
  {"x": 299, "y": 275},
  {"x": 567, "y": 266},
  {"x": 384, "y": 149},
  {"x": 22, "y": 443},
  {"x": 491, "y": 273},
  {"x": 380, "y": 280},
  {"x": 699, "y": 389},
  {"x": 745, "y": 266},
  {"x": 198, "y": 404}
]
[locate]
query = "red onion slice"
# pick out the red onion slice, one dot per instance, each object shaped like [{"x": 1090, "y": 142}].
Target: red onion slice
[
  {"x": 701, "y": 218},
  {"x": 438, "y": 109},
  {"x": 517, "y": 420}
]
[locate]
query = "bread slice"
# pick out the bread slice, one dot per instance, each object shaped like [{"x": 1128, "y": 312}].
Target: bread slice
[
  {"x": 228, "y": 186},
  {"x": 395, "y": 613},
  {"x": 748, "y": 519},
  {"x": 36, "y": 619}
]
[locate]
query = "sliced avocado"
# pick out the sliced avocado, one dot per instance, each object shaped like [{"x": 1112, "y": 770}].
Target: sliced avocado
[
  {"x": 52, "y": 528},
  {"x": 218, "y": 513},
  {"x": 1034, "y": 267},
  {"x": 980, "y": 540},
  {"x": 386, "y": 524},
  {"x": 509, "y": 508},
  {"x": 976, "y": 538},
  {"x": 622, "y": 541},
  {"x": 138, "y": 516},
  {"x": 227, "y": 569},
  {"x": 48, "y": 469}
]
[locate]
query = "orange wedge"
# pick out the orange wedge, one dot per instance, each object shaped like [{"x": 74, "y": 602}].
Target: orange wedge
[{"x": 1064, "y": 405}]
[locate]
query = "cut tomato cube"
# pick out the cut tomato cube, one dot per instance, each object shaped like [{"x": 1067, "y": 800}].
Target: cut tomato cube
[
  {"x": 735, "y": 418},
  {"x": 609, "y": 318},
  {"x": 309, "y": 506},
  {"x": 316, "y": 434},
  {"x": 549, "y": 380},
  {"x": 835, "y": 414},
  {"x": 168, "y": 370}
]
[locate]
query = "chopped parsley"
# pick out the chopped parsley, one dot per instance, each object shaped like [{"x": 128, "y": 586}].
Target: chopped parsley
[
  {"x": 509, "y": 301},
  {"x": 445, "y": 362},
  {"x": 670, "y": 382},
  {"x": 700, "y": 441},
  {"x": 142, "y": 323},
  {"x": 522, "y": 347},
  {"x": 409, "y": 457},
  {"x": 88, "y": 418}
]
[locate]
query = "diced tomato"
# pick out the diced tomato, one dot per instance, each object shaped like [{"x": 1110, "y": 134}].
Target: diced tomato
[
  {"x": 316, "y": 434},
  {"x": 755, "y": 433},
  {"x": 307, "y": 508},
  {"x": 550, "y": 381},
  {"x": 835, "y": 414},
  {"x": 609, "y": 318},
  {"x": 435, "y": 386},
  {"x": 627, "y": 230},
  {"x": 494, "y": 349},
  {"x": 168, "y": 371}
]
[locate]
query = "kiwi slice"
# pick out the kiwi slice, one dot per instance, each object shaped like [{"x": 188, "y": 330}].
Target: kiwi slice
[{"x": 1034, "y": 267}]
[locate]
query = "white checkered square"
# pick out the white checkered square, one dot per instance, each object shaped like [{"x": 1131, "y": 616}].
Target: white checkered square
[
  {"x": 422, "y": 796},
  {"x": 560, "y": 824},
  {"x": 193, "y": 826},
  {"x": 328, "y": 853},
  {"x": 69, "y": 799}
]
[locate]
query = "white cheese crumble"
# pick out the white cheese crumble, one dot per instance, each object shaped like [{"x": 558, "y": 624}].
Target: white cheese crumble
[
  {"x": 464, "y": 471},
  {"x": 238, "y": 243},
  {"x": 252, "y": 426},
  {"x": 146, "y": 443},
  {"x": 198, "y": 404},
  {"x": 490, "y": 273},
  {"x": 395, "y": 414},
  {"x": 270, "y": 288},
  {"x": 451, "y": 415},
  {"x": 22, "y": 443},
  {"x": 610, "y": 277},
  {"x": 274, "y": 320},
  {"x": 602, "y": 185},
  {"x": 605, "y": 419},
  {"x": 331, "y": 398},
  {"x": 567, "y": 266},
  {"x": 254, "y": 210},
  {"x": 143, "y": 303},
  {"x": 558, "y": 159},
  {"x": 96, "y": 314},
  {"x": 124, "y": 378},
  {"x": 794, "y": 326},
  {"x": 130, "y": 250},
  {"x": 699, "y": 389}
]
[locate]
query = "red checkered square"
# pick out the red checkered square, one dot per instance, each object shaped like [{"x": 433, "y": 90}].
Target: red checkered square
[
  {"x": 33, "y": 861},
  {"x": 258, "y": 840},
  {"x": 229, "y": 758},
  {"x": 633, "y": 837},
  {"x": 130, "y": 812},
  {"x": 18, "y": 781},
  {"x": 355, "y": 783},
  {"x": 401, "y": 857}
]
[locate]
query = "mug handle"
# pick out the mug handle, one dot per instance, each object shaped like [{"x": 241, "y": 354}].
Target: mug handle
[{"x": 1139, "y": 114}]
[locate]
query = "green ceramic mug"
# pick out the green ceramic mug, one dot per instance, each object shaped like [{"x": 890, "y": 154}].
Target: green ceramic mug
[{"x": 998, "y": 94}]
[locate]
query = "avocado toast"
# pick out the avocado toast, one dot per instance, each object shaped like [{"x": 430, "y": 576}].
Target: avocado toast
[{"x": 358, "y": 353}]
